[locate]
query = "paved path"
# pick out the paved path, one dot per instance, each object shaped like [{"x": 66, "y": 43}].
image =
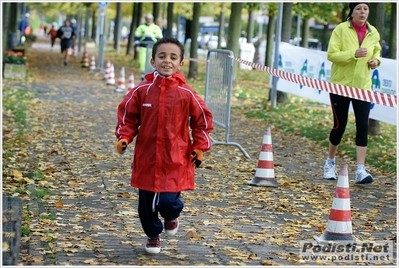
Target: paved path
[{"x": 225, "y": 221}]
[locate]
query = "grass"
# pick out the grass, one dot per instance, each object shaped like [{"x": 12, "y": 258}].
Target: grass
[{"x": 40, "y": 193}]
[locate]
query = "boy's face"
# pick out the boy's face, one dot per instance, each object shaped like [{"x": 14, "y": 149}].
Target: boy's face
[{"x": 167, "y": 59}]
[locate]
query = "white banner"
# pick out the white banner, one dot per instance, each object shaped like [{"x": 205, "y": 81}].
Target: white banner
[{"x": 314, "y": 64}]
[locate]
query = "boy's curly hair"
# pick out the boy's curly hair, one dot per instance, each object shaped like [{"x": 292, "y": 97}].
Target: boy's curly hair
[{"x": 165, "y": 40}]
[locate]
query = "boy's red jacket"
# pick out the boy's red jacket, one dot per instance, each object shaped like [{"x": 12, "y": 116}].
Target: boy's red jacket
[{"x": 161, "y": 112}]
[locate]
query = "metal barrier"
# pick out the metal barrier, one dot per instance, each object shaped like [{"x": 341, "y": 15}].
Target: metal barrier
[
  {"x": 148, "y": 66},
  {"x": 12, "y": 220},
  {"x": 218, "y": 87}
]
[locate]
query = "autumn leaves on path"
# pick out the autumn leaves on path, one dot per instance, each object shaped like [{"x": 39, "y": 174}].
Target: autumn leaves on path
[{"x": 82, "y": 210}]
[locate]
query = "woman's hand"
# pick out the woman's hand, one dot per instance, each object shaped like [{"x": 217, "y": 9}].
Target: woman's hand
[
  {"x": 361, "y": 52},
  {"x": 373, "y": 63}
]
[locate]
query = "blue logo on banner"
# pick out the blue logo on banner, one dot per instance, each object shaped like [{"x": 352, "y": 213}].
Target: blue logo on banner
[
  {"x": 375, "y": 83},
  {"x": 103, "y": 4},
  {"x": 322, "y": 74},
  {"x": 304, "y": 70}
]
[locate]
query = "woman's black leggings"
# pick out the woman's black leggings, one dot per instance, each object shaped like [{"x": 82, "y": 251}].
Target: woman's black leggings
[{"x": 340, "y": 108}]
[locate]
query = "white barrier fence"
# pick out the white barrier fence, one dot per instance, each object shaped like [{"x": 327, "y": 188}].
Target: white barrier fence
[{"x": 314, "y": 64}]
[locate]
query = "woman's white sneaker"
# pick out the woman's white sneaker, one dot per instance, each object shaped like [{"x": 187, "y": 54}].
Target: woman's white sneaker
[
  {"x": 362, "y": 177},
  {"x": 329, "y": 171}
]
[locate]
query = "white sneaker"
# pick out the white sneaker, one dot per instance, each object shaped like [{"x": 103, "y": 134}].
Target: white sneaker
[
  {"x": 153, "y": 245},
  {"x": 362, "y": 176},
  {"x": 329, "y": 171},
  {"x": 172, "y": 226}
]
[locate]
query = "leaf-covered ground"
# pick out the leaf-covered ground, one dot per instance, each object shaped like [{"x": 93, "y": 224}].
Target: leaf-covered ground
[{"x": 59, "y": 156}]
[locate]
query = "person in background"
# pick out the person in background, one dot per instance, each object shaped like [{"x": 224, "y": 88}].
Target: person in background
[
  {"x": 165, "y": 31},
  {"x": 66, "y": 34},
  {"x": 147, "y": 32},
  {"x": 172, "y": 124},
  {"x": 23, "y": 27},
  {"x": 75, "y": 30},
  {"x": 53, "y": 35},
  {"x": 354, "y": 50},
  {"x": 385, "y": 49}
]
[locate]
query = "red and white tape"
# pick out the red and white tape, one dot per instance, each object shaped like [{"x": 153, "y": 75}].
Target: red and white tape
[
  {"x": 351, "y": 92},
  {"x": 196, "y": 60}
]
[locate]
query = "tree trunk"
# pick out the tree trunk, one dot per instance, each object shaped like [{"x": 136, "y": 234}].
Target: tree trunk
[
  {"x": 305, "y": 32},
  {"x": 156, "y": 8},
  {"x": 133, "y": 25},
  {"x": 118, "y": 25},
  {"x": 193, "y": 69},
  {"x": 87, "y": 19},
  {"x": 285, "y": 37},
  {"x": 234, "y": 32},
  {"x": 251, "y": 24},
  {"x": 392, "y": 33},
  {"x": 169, "y": 25},
  {"x": 221, "y": 26},
  {"x": 234, "y": 29},
  {"x": 138, "y": 16},
  {"x": 376, "y": 18},
  {"x": 271, "y": 28},
  {"x": 6, "y": 29},
  {"x": 286, "y": 23},
  {"x": 93, "y": 26}
]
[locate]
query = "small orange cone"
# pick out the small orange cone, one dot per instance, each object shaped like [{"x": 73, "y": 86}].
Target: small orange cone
[
  {"x": 121, "y": 81},
  {"x": 92, "y": 64},
  {"x": 339, "y": 226},
  {"x": 264, "y": 175},
  {"x": 107, "y": 70},
  {"x": 111, "y": 77},
  {"x": 130, "y": 84},
  {"x": 83, "y": 55},
  {"x": 75, "y": 51},
  {"x": 85, "y": 63}
]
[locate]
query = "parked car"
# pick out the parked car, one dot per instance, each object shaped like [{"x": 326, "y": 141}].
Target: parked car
[
  {"x": 312, "y": 43},
  {"x": 203, "y": 41},
  {"x": 213, "y": 42}
]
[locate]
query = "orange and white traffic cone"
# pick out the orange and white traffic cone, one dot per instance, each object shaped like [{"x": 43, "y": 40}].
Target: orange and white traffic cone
[
  {"x": 264, "y": 175},
  {"x": 83, "y": 55},
  {"x": 339, "y": 226},
  {"x": 75, "y": 51},
  {"x": 92, "y": 64},
  {"x": 111, "y": 77},
  {"x": 85, "y": 63},
  {"x": 107, "y": 70},
  {"x": 130, "y": 84},
  {"x": 121, "y": 81}
]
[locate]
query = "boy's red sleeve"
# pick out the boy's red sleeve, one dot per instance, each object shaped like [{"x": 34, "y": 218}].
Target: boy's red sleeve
[
  {"x": 201, "y": 124},
  {"x": 128, "y": 118}
]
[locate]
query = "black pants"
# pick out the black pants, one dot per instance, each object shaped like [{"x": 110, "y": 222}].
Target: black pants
[
  {"x": 168, "y": 205},
  {"x": 65, "y": 44},
  {"x": 340, "y": 109}
]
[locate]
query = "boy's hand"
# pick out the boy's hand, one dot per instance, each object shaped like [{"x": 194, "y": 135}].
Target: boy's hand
[
  {"x": 196, "y": 156},
  {"x": 121, "y": 146}
]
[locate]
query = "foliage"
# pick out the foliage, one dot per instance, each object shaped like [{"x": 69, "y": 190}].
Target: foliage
[
  {"x": 320, "y": 11},
  {"x": 15, "y": 58}
]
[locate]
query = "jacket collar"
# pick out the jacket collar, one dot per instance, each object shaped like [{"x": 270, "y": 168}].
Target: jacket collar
[
  {"x": 165, "y": 82},
  {"x": 175, "y": 79},
  {"x": 368, "y": 25}
]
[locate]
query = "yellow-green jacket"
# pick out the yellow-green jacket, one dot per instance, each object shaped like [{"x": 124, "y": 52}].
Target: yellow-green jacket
[
  {"x": 147, "y": 33},
  {"x": 346, "y": 69}
]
